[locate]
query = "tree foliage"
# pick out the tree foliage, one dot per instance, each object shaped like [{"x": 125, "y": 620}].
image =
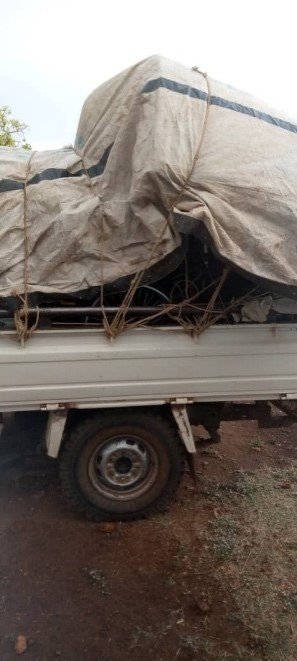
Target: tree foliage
[{"x": 12, "y": 132}]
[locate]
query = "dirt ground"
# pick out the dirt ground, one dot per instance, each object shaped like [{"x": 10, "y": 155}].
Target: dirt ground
[{"x": 173, "y": 587}]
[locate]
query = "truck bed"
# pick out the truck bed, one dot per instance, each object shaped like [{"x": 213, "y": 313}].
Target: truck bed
[{"x": 83, "y": 368}]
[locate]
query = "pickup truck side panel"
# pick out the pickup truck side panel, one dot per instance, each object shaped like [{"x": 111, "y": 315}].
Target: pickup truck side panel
[{"x": 83, "y": 368}]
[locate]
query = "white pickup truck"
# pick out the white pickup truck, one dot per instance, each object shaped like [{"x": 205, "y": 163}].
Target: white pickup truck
[{"x": 120, "y": 413}]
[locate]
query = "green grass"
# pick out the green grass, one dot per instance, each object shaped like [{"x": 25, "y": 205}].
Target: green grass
[
  {"x": 223, "y": 536},
  {"x": 260, "y": 539}
]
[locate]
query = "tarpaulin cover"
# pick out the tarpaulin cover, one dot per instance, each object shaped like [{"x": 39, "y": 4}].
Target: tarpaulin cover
[{"x": 95, "y": 212}]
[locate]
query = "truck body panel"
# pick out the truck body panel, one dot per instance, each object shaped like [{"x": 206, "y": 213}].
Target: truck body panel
[{"x": 81, "y": 368}]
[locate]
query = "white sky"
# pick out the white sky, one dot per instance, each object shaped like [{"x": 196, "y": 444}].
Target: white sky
[{"x": 53, "y": 53}]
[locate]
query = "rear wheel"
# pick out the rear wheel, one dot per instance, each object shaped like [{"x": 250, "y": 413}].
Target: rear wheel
[{"x": 121, "y": 466}]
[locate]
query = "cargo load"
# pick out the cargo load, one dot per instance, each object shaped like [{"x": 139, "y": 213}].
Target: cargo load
[{"x": 167, "y": 162}]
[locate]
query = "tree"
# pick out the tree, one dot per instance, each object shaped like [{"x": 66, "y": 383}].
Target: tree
[{"x": 12, "y": 132}]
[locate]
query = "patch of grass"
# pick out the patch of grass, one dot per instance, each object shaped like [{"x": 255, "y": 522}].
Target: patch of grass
[
  {"x": 261, "y": 537},
  {"x": 257, "y": 443},
  {"x": 223, "y": 536},
  {"x": 216, "y": 491},
  {"x": 250, "y": 548},
  {"x": 244, "y": 487},
  {"x": 290, "y": 601}
]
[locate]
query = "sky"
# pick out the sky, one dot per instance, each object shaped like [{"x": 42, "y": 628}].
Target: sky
[{"x": 53, "y": 53}]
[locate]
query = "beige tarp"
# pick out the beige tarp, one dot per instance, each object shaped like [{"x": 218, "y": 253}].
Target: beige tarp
[{"x": 100, "y": 211}]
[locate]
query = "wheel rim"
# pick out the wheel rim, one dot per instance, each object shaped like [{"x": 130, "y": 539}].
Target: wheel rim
[{"x": 123, "y": 467}]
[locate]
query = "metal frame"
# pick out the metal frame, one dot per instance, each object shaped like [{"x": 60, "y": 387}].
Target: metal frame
[
  {"x": 57, "y": 421},
  {"x": 180, "y": 414},
  {"x": 54, "y": 432}
]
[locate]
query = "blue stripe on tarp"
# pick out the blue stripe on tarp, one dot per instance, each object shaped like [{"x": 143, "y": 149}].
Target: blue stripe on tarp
[
  {"x": 252, "y": 112},
  {"x": 195, "y": 93},
  {"x": 173, "y": 86},
  {"x": 7, "y": 185},
  {"x": 50, "y": 174}
]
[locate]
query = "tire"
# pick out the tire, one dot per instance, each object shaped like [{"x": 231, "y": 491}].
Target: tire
[{"x": 121, "y": 466}]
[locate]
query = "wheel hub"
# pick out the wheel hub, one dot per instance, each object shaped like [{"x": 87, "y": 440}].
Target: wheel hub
[{"x": 121, "y": 464}]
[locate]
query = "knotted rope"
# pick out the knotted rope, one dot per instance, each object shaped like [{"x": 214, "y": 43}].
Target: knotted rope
[
  {"x": 21, "y": 317},
  {"x": 119, "y": 322}
]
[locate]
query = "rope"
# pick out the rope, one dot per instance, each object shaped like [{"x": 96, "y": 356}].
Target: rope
[
  {"x": 119, "y": 321},
  {"x": 106, "y": 324},
  {"x": 21, "y": 317},
  {"x": 207, "y": 320}
]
